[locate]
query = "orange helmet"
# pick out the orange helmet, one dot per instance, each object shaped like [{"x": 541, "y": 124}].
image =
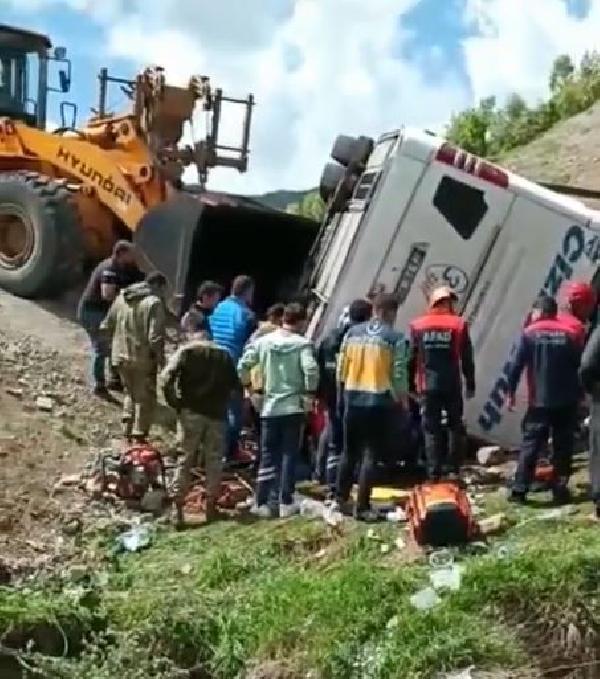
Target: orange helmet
[{"x": 441, "y": 294}]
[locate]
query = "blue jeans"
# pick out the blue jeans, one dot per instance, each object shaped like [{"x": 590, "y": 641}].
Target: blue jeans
[
  {"x": 281, "y": 440},
  {"x": 90, "y": 320},
  {"x": 234, "y": 427}
]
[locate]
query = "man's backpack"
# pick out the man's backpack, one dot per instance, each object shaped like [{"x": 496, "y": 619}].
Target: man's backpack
[{"x": 439, "y": 514}]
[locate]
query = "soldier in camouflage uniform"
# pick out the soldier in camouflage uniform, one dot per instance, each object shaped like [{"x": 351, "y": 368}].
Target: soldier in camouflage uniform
[
  {"x": 198, "y": 383},
  {"x": 136, "y": 323}
]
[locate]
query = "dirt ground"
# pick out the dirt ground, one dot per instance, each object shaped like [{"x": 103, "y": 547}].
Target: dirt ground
[{"x": 43, "y": 354}]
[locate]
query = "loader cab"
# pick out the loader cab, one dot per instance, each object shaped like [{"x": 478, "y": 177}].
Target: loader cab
[{"x": 24, "y": 59}]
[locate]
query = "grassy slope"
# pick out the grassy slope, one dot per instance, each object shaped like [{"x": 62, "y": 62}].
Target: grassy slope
[{"x": 289, "y": 598}]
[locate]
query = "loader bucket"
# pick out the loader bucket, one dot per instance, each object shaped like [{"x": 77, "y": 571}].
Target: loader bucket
[
  {"x": 192, "y": 238},
  {"x": 164, "y": 237}
]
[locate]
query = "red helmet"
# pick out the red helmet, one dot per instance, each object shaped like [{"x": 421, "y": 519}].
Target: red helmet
[{"x": 578, "y": 292}]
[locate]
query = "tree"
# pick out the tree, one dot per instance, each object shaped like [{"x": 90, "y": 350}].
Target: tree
[
  {"x": 470, "y": 129},
  {"x": 487, "y": 130},
  {"x": 515, "y": 107},
  {"x": 311, "y": 206},
  {"x": 562, "y": 70}
]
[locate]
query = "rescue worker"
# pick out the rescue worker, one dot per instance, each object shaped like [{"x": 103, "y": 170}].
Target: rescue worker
[
  {"x": 106, "y": 280},
  {"x": 198, "y": 383},
  {"x": 578, "y": 300},
  {"x": 136, "y": 324},
  {"x": 195, "y": 319},
  {"x": 327, "y": 355},
  {"x": 550, "y": 350},
  {"x": 290, "y": 376},
  {"x": 577, "y": 305},
  {"x": 231, "y": 324},
  {"x": 440, "y": 350},
  {"x": 589, "y": 374},
  {"x": 371, "y": 380}
]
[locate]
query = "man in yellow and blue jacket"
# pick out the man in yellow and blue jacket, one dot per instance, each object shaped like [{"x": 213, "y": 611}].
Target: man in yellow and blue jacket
[{"x": 372, "y": 381}]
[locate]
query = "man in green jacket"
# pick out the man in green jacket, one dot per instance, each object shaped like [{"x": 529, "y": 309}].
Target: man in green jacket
[
  {"x": 290, "y": 376},
  {"x": 136, "y": 324},
  {"x": 198, "y": 383}
]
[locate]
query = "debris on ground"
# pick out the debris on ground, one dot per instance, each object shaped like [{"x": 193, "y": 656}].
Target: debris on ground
[
  {"x": 463, "y": 674},
  {"x": 44, "y": 403},
  {"x": 67, "y": 481},
  {"x": 425, "y": 599},
  {"x": 311, "y": 509},
  {"x": 493, "y": 525},
  {"x": 134, "y": 540},
  {"x": 448, "y": 577},
  {"x": 490, "y": 456},
  {"x": 398, "y": 515}
]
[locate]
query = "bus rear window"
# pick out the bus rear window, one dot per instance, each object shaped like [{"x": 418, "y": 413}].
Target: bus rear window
[{"x": 463, "y": 206}]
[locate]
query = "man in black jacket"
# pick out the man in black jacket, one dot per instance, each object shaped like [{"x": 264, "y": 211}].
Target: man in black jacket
[
  {"x": 327, "y": 354},
  {"x": 197, "y": 383},
  {"x": 589, "y": 373},
  {"x": 110, "y": 276},
  {"x": 550, "y": 351}
]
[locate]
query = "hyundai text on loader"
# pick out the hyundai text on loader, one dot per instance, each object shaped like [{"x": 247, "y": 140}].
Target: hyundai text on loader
[{"x": 66, "y": 196}]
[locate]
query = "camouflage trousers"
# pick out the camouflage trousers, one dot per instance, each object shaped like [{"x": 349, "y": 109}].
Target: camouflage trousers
[
  {"x": 202, "y": 441},
  {"x": 139, "y": 402}
]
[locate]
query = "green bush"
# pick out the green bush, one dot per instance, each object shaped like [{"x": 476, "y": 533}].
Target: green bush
[{"x": 490, "y": 130}]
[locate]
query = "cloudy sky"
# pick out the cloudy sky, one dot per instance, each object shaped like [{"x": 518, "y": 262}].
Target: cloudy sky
[{"x": 318, "y": 67}]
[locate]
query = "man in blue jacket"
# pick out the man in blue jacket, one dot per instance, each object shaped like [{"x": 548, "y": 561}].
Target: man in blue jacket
[
  {"x": 231, "y": 324},
  {"x": 550, "y": 350}
]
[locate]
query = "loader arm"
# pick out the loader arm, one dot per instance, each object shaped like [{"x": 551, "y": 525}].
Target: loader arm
[{"x": 94, "y": 167}]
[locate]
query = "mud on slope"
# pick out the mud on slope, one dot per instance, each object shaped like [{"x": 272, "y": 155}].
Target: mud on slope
[{"x": 43, "y": 353}]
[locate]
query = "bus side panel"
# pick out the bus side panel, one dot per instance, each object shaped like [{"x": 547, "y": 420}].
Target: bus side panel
[
  {"x": 449, "y": 228},
  {"x": 375, "y": 234},
  {"x": 538, "y": 250}
]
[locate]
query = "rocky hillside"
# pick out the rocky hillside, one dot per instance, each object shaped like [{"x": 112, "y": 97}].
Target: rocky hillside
[{"x": 569, "y": 153}]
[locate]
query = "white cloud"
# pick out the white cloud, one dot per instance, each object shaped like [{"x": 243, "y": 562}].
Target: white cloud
[
  {"x": 518, "y": 42},
  {"x": 322, "y": 67}
]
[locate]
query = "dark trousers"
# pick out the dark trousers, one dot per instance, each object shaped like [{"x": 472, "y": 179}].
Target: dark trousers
[
  {"x": 437, "y": 447},
  {"x": 234, "y": 427},
  {"x": 91, "y": 320},
  {"x": 365, "y": 432},
  {"x": 595, "y": 450},
  {"x": 562, "y": 423},
  {"x": 280, "y": 442},
  {"x": 335, "y": 446},
  {"x": 257, "y": 432}
]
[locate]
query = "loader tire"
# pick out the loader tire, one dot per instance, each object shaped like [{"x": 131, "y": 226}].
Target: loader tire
[{"x": 40, "y": 237}]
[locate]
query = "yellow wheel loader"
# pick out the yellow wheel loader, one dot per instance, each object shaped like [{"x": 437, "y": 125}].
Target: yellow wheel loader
[{"x": 67, "y": 195}]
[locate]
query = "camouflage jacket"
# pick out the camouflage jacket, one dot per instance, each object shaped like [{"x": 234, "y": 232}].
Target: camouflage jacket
[{"x": 136, "y": 324}]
